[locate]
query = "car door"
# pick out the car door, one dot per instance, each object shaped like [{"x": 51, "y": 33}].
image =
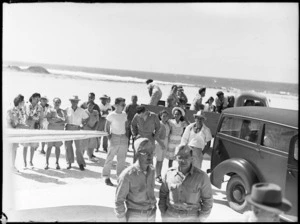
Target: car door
[{"x": 291, "y": 188}]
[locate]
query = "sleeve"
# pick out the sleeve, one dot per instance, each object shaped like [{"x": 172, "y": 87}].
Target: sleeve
[
  {"x": 134, "y": 127},
  {"x": 185, "y": 136},
  {"x": 109, "y": 117},
  {"x": 84, "y": 115},
  {"x": 208, "y": 136},
  {"x": 206, "y": 197},
  {"x": 121, "y": 195},
  {"x": 163, "y": 196}
]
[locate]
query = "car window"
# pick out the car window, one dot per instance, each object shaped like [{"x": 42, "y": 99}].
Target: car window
[
  {"x": 231, "y": 126},
  {"x": 278, "y": 137},
  {"x": 241, "y": 128}
]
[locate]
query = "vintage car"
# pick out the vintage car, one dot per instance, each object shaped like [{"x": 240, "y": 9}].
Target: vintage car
[
  {"x": 257, "y": 99},
  {"x": 256, "y": 144}
]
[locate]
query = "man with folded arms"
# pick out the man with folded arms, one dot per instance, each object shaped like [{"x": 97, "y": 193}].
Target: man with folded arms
[
  {"x": 76, "y": 118},
  {"x": 116, "y": 123},
  {"x": 185, "y": 194},
  {"x": 135, "y": 200}
]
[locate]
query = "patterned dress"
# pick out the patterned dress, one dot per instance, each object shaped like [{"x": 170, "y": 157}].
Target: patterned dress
[{"x": 176, "y": 131}]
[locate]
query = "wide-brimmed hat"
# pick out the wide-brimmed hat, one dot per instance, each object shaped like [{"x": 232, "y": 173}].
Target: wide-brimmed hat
[
  {"x": 74, "y": 98},
  {"x": 104, "y": 96},
  {"x": 200, "y": 113},
  {"x": 268, "y": 196},
  {"x": 45, "y": 98},
  {"x": 178, "y": 108},
  {"x": 56, "y": 99}
]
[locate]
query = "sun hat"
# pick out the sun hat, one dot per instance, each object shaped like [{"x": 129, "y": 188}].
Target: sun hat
[
  {"x": 138, "y": 142},
  {"x": 268, "y": 196},
  {"x": 210, "y": 98},
  {"x": 200, "y": 113},
  {"x": 45, "y": 98},
  {"x": 149, "y": 81},
  {"x": 178, "y": 108},
  {"x": 56, "y": 99},
  {"x": 104, "y": 96},
  {"x": 219, "y": 93},
  {"x": 75, "y": 98}
]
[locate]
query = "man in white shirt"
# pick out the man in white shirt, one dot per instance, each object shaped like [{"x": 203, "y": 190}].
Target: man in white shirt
[
  {"x": 154, "y": 92},
  {"x": 198, "y": 137},
  {"x": 75, "y": 117},
  {"x": 116, "y": 127},
  {"x": 105, "y": 109}
]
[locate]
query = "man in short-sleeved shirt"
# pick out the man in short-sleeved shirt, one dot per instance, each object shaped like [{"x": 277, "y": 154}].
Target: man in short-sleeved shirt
[
  {"x": 75, "y": 117},
  {"x": 118, "y": 142}
]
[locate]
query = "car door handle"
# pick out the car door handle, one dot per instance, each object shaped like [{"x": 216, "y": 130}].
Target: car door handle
[{"x": 291, "y": 173}]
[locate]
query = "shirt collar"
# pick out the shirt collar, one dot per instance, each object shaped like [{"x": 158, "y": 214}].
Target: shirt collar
[
  {"x": 138, "y": 168},
  {"x": 191, "y": 171}
]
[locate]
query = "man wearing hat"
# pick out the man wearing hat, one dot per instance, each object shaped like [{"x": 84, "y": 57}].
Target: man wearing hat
[
  {"x": 221, "y": 102},
  {"x": 145, "y": 124},
  {"x": 57, "y": 120},
  {"x": 197, "y": 102},
  {"x": 75, "y": 117},
  {"x": 185, "y": 194},
  {"x": 181, "y": 97},
  {"x": 154, "y": 92},
  {"x": 105, "y": 108},
  {"x": 267, "y": 203},
  {"x": 45, "y": 111},
  {"x": 198, "y": 136},
  {"x": 135, "y": 200}
]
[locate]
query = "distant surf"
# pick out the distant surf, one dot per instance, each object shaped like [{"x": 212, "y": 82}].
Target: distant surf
[{"x": 118, "y": 75}]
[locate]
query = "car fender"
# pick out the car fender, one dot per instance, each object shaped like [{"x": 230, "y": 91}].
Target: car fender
[{"x": 238, "y": 166}]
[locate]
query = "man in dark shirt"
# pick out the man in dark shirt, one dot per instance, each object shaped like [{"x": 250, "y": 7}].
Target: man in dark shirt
[{"x": 130, "y": 110}]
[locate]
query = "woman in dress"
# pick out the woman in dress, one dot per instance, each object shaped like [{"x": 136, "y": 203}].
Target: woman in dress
[
  {"x": 177, "y": 126},
  {"x": 209, "y": 105},
  {"x": 161, "y": 143}
]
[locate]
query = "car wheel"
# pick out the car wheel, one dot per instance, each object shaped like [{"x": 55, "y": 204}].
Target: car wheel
[{"x": 236, "y": 191}]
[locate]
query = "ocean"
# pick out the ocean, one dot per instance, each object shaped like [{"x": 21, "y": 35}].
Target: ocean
[{"x": 65, "y": 81}]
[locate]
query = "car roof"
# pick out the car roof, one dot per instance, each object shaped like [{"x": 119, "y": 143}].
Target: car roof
[
  {"x": 251, "y": 95},
  {"x": 276, "y": 115}
]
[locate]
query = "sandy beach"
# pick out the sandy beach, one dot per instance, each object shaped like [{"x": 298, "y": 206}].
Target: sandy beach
[{"x": 73, "y": 195}]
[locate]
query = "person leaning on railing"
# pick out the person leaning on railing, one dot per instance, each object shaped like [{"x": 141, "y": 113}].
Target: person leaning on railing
[{"x": 16, "y": 118}]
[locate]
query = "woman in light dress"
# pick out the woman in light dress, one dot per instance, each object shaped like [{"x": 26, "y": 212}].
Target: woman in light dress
[{"x": 177, "y": 126}]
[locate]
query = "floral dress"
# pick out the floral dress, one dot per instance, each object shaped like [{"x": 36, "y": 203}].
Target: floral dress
[
  {"x": 34, "y": 114},
  {"x": 16, "y": 117},
  {"x": 176, "y": 131}
]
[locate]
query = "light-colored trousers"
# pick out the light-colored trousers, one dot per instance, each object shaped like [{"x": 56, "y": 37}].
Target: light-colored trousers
[
  {"x": 78, "y": 151},
  {"x": 144, "y": 217},
  {"x": 156, "y": 96},
  {"x": 197, "y": 157},
  {"x": 117, "y": 145}
]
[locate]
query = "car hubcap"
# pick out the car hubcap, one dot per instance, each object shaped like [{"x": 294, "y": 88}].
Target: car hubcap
[{"x": 238, "y": 194}]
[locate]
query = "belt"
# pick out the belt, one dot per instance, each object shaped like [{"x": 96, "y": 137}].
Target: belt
[
  {"x": 181, "y": 212},
  {"x": 139, "y": 211},
  {"x": 74, "y": 125}
]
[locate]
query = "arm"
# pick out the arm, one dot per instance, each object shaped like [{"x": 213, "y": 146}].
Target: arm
[
  {"x": 162, "y": 136},
  {"x": 157, "y": 127},
  {"x": 121, "y": 195},
  {"x": 134, "y": 127},
  {"x": 185, "y": 136},
  {"x": 163, "y": 196},
  {"x": 206, "y": 198},
  {"x": 107, "y": 128},
  {"x": 150, "y": 89}
]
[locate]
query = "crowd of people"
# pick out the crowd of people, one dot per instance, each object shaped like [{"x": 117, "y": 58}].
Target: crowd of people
[{"x": 185, "y": 192}]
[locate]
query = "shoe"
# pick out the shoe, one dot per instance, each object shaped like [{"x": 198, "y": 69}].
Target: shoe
[
  {"x": 81, "y": 167},
  {"x": 69, "y": 166},
  {"x": 14, "y": 169},
  {"x": 108, "y": 182},
  {"x": 93, "y": 159},
  {"x": 158, "y": 179},
  {"x": 46, "y": 167},
  {"x": 42, "y": 151},
  {"x": 105, "y": 150},
  {"x": 57, "y": 166},
  {"x": 93, "y": 156},
  {"x": 97, "y": 150},
  {"x": 31, "y": 165}
]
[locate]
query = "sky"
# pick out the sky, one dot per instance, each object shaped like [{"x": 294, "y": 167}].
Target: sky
[{"x": 257, "y": 41}]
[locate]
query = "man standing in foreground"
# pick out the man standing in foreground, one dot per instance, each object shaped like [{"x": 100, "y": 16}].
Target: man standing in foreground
[
  {"x": 185, "y": 194},
  {"x": 198, "y": 137},
  {"x": 116, "y": 123},
  {"x": 76, "y": 117},
  {"x": 136, "y": 187}
]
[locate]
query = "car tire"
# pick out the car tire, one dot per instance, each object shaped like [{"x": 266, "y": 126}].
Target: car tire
[{"x": 236, "y": 191}]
